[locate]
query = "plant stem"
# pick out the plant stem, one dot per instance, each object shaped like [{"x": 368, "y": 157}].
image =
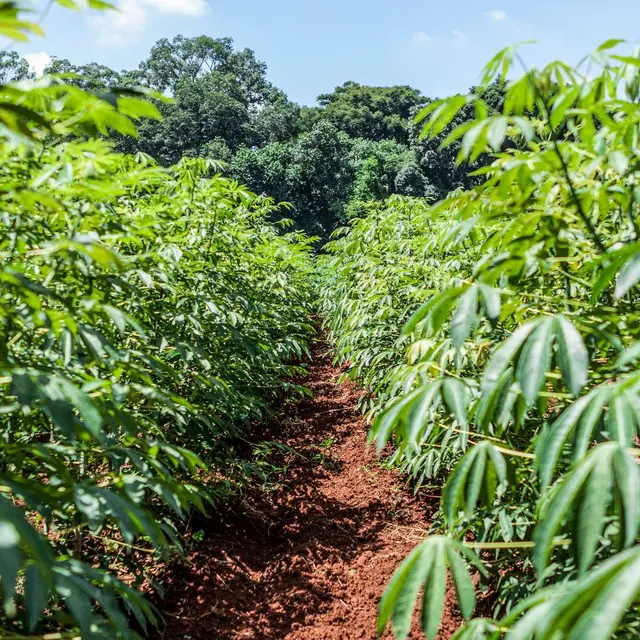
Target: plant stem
[{"x": 563, "y": 164}]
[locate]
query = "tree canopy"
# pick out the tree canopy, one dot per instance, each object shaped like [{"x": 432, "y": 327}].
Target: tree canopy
[
  {"x": 357, "y": 144},
  {"x": 373, "y": 113}
]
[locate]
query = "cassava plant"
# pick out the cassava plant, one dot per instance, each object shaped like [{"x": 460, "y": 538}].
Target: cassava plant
[
  {"x": 497, "y": 333},
  {"x": 147, "y": 317}
]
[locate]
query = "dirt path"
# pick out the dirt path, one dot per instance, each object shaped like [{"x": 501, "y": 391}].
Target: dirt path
[{"x": 310, "y": 559}]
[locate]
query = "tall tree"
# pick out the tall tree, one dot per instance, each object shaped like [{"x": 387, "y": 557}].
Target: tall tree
[
  {"x": 204, "y": 108},
  {"x": 218, "y": 93},
  {"x": 313, "y": 173},
  {"x": 90, "y": 77},
  {"x": 13, "y": 67},
  {"x": 373, "y": 113},
  {"x": 170, "y": 63}
]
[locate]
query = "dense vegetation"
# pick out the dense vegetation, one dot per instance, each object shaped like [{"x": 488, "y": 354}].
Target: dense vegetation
[
  {"x": 497, "y": 334},
  {"x": 356, "y": 145},
  {"x": 148, "y": 316},
  {"x": 483, "y": 291}
]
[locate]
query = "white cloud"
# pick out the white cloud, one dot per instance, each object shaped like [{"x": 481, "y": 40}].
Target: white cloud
[
  {"x": 183, "y": 7},
  {"x": 129, "y": 20},
  {"x": 498, "y": 15},
  {"x": 117, "y": 27},
  {"x": 459, "y": 37},
  {"x": 37, "y": 61},
  {"x": 420, "y": 36}
]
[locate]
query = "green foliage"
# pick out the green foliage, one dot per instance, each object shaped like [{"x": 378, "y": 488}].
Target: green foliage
[
  {"x": 91, "y": 77},
  {"x": 146, "y": 314},
  {"x": 329, "y": 177},
  {"x": 13, "y": 67},
  {"x": 328, "y": 161},
  {"x": 496, "y": 334},
  {"x": 217, "y": 93},
  {"x": 437, "y": 154},
  {"x": 426, "y": 568},
  {"x": 313, "y": 173},
  {"x": 371, "y": 113}
]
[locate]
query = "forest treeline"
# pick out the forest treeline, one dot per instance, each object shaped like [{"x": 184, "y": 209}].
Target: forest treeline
[{"x": 357, "y": 145}]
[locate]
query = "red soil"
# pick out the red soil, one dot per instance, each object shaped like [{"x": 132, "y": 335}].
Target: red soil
[{"x": 309, "y": 560}]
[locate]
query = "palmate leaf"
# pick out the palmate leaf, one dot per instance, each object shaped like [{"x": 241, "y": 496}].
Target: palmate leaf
[
  {"x": 469, "y": 301},
  {"x": 481, "y": 475},
  {"x": 530, "y": 346},
  {"x": 412, "y": 417},
  {"x": 588, "y": 419},
  {"x": 590, "y": 608},
  {"x": 606, "y": 478},
  {"x": 426, "y": 568}
]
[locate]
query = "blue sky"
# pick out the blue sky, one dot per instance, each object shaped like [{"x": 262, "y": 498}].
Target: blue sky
[{"x": 312, "y": 46}]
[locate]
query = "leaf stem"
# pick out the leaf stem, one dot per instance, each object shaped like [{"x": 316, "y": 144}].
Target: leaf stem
[{"x": 522, "y": 544}]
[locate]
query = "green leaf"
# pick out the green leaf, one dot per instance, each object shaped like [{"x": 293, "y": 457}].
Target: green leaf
[
  {"x": 464, "y": 318},
  {"x": 628, "y": 277},
  {"x": 491, "y": 299},
  {"x": 619, "y": 161},
  {"x": 554, "y": 438},
  {"x": 481, "y": 473},
  {"x": 36, "y": 596},
  {"x": 610, "y": 44},
  {"x": 566, "y": 495},
  {"x": 589, "y": 421},
  {"x": 454, "y": 393},
  {"x": 406, "y": 599},
  {"x": 496, "y": 133},
  {"x": 426, "y": 566},
  {"x": 600, "y": 620},
  {"x": 10, "y": 557},
  {"x": 504, "y": 354},
  {"x": 463, "y": 583},
  {"x": 395, "y": 587},
  {"x": 434, "y": 592},
  {"x": 621, "y": 420},
  {"x": 627, "y": 491},
  {"x": 563, "y": 102},
  {"x": 453, "y": 489},
  {"x": 535, "y": 360},
  {"x": 418, "y": 415},
  {"x": 585, "y": 489},
  {"x": 573, "y": 358},
  {"x": 590, "y": 514},
  {"x": 631, "y": 354}
]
